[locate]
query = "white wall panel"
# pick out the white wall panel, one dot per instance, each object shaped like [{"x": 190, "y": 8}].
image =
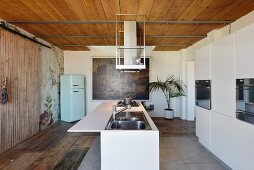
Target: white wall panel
[
  {"x": 244, "y": 150},
  {"x": 203, "y": 63},
  {"x": 203, "y": 126},
  {"x": 222, "y": 137},
  {"x": 223, "y": 76},
  {"x": 244, "y": 51}
]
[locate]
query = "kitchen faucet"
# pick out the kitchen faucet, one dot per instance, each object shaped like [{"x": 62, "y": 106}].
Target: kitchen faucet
[{"x": 114, "y": 112}]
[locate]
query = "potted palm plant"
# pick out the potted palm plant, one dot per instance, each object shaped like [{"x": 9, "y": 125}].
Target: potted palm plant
[{"x": 171, "y": 88}]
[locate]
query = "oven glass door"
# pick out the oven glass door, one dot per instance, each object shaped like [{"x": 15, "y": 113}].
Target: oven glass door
[
  {"x": 245, "y": 95},
  {"x": 203, "y": 94},
  {"x": 245, "y": 100}
]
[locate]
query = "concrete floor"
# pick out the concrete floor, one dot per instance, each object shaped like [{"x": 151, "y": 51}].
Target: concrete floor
[
  {"x": 180, "y": 149},
  {"x": 185, "y": 153}
]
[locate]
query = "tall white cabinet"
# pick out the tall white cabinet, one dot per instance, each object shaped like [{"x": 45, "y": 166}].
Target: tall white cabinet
[
  {"x": 203, "y": 63},
  {"x": 223, "y": 98},
  {"x": 222, "y": 137},
  {"x": 244, "y": 150},
  {"x": 244, "y": 52},
  {"x": 223, "y": 78},
  {"x": 203, "y": 116},
  {"x": 215, "y": 127},
  {"x": 231, "y": 58},
  {"x": 203, "y": 126},
  {"x": 244, "y": 132}
]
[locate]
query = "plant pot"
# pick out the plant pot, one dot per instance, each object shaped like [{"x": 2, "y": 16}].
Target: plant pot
[{"x": 168, "y": 113}]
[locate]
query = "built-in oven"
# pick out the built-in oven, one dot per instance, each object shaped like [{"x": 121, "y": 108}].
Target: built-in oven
[
  {"x": 245, "y": 99},
  {"x": 203, "y": 93}
]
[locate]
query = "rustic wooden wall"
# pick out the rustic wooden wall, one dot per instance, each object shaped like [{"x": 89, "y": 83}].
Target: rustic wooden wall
[{"x": 19, "y": 118}]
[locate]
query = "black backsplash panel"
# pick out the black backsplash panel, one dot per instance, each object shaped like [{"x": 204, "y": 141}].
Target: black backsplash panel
[{"x": 111, "y": 84}]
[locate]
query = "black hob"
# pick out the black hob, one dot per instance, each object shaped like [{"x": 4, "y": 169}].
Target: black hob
[{"x": 122, "y": 104}]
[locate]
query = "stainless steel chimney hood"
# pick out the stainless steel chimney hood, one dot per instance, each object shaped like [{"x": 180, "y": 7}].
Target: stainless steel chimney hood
[{"x": 130, "y": 42}]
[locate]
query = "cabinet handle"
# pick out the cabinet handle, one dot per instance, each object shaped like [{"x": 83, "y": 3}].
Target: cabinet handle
[
  {"x": 75, "y": 91},
  {"x": 75, "y": 85}
]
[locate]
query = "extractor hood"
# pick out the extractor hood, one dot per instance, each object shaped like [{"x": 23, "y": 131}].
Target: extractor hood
[{"x": 130, "y": 43}]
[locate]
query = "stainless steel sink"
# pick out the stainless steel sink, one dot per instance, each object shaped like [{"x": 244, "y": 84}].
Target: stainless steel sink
[
  {"x": 128, "y": 125},
  {"x": 128, "y": 121}
]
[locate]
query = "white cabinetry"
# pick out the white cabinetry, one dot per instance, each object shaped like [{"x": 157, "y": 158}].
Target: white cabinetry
[
  {"x": 222, "y": 76},
  {"x": 139, "y": 148},
  {"x": 222, "y": 137},
  {"x": 228, "y": 138},
  {"x": 244, "y": 52},
  {"x": 203, "y": 62},
  {"x": 203, "y": 126},
  {"x": 244, "y": 150}
]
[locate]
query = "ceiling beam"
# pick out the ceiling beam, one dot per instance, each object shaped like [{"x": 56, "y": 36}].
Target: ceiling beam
[
  {"x": 77, "y": 48},
  {"x": 98, "y": 36},
  {"x": 81, "y": 45},
  {"x": 26, "y": 35},
  {"x": 114, "y": 22}
]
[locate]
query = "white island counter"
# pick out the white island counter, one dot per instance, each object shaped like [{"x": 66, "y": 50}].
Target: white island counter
[{"x": 122, "y": 149}]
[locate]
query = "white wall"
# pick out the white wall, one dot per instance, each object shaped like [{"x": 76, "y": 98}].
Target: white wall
[
  {"x": 80, "y": 62},
  {"x": 161, "y": 65}
]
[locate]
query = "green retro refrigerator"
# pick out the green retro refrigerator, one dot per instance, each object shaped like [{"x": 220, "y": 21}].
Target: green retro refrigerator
[{"x": 72, "y": 95}]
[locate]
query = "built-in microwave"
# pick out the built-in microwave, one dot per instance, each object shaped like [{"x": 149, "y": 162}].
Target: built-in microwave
[
  {"x": 203, "y": 93},
  {"x": 245, "y": 99}
]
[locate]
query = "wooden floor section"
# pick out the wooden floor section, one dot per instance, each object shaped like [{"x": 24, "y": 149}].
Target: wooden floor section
[
  {"x": 54, "y": 148},
  {"x": 175, "y": 127}
]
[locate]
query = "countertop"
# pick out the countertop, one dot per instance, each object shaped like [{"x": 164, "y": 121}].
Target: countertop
[{"x": 97, "y": 120}]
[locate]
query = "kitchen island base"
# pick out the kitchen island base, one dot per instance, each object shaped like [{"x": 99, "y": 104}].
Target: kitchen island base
[
  {"x": 121, "y": 149},
  {"x": 133, "y": 150}
]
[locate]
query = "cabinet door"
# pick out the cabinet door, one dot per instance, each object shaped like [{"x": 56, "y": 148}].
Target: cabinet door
[
  {"x": 203, "y": 126},
  {"x": 202, "y": 68},
  {"x": 244, "y": 150},
  {"x": 222, "y": 137},
  {"x": 244, "y": 52},
  {"x": 223, "y": 76}
]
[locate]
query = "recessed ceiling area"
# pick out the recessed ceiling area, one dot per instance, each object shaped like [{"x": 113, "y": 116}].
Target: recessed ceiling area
[{"x": 75, "y": 24}]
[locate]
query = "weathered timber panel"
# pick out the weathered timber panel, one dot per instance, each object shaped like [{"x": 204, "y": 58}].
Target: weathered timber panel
[{"x": 19, "y": 117}]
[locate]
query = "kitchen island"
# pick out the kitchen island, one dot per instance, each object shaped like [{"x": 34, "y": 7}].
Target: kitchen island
[{"x": 122, "y": 149}]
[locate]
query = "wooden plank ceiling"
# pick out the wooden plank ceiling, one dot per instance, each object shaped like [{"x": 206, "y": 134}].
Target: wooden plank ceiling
[{"x": 106, "y": 10}]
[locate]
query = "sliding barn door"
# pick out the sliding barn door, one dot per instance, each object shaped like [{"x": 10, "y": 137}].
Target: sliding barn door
[{"x": 19, "y": 117}]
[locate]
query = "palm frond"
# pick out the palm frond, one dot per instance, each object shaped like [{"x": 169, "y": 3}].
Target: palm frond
[
  {"x": 156, "y": 86},
  {"x": 171, "y": 87}
]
